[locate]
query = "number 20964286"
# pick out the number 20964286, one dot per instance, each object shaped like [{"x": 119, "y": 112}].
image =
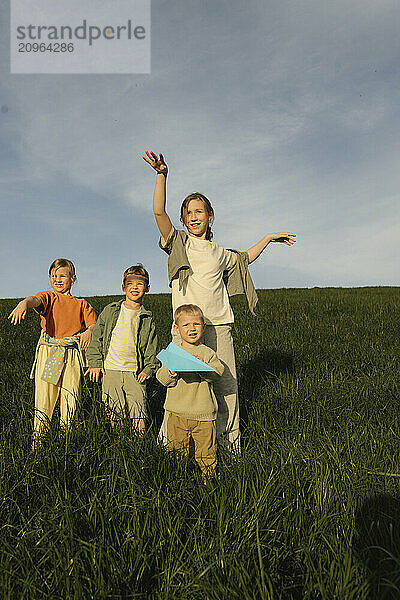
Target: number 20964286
[{"x": 52, "y": 47}]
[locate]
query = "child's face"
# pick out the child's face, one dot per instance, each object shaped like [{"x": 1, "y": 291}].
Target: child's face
[
  {"x": 61, "y": 280},
  {"x": 135, "y": 288},
  {"x": 196, "y": 218},
  {"x": 190, "y": 327}
]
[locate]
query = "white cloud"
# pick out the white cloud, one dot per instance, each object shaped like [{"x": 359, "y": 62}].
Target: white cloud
[{"x": 284, "y": 115}]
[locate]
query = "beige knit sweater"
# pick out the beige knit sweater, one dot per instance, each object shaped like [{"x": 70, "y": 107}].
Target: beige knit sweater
[{"x": 191, "y": 395}]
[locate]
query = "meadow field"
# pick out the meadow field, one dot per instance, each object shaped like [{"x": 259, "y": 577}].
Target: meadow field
[{"x": 311, "y": 510}]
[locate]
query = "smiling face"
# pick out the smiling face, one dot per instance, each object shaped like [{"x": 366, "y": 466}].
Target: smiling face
[
  {"x": 135, "y": 288},
  {"x": 190, "y": 327},
  {"x": 197, "y": 218},
  {"x": 61, "y": 280}
]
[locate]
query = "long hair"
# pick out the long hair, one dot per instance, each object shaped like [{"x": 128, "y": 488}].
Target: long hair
[{"x": 207, "y": 205}]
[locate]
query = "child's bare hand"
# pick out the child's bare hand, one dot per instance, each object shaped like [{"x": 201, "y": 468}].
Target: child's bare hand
[
  {"x": 139, "y": 426},
  {"x": 94, "y": 373},
  {"x": 84, "y": 339},
  {"x": 283, "y": 237},
  {"x": 157, "y": 162},
  {"x": 142, "y": 377},
  {"x": 19, "y": 312}
]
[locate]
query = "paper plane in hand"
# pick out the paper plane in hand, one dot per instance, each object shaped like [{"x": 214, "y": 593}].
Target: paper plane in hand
[{"x": 177, "y": 359}]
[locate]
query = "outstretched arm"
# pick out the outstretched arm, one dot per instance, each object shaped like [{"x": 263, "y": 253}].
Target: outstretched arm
[
  {"x": 283, "y": 237},
  {"x": 19, "y": 312},
  {"x": 160, "y": 192}
]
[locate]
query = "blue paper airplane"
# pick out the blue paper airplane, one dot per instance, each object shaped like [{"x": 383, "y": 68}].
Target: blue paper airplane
[{"x": 177, "y": 359}]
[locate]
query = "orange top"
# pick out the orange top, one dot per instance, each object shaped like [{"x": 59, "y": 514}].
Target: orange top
[{"x": 63, "y": 316}]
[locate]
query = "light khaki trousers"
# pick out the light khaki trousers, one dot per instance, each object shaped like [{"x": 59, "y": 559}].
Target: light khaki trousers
[
  {"x": 179, "y": 432},
  {"x": 123, "y": 394},
  {"x": 219, "y": 338},
  {"x": 46, "y": 394}
]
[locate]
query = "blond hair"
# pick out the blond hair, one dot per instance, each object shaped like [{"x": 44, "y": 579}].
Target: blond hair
[
  {"x": 63, "y": 262},
  {"x": 188, "y": 309}
]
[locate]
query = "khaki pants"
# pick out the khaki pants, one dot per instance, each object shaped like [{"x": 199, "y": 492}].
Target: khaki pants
[
  {"x": 46, "y": 394},
  {"x": 123, "y": 394},
  {"x": 219, "y": 338},
  {"x": 179, "y": 432}
]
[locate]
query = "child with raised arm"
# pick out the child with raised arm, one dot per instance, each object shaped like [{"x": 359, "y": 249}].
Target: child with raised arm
[
  {"x": 191, "y": 403},
  {"x": 67, "y": 323},
  {"x": 123, "y": 349},
  {"x": 203, "y": 273}
]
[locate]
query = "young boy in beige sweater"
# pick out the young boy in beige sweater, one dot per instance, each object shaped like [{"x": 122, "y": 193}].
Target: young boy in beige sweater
[{"x": 191, "y": 404}]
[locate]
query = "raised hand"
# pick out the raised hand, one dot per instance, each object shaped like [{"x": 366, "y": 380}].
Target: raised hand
[
  {"x": 157, "y": 162},
  {"x": 283, "y": 237},
  {"x": 160, "y": 192}
]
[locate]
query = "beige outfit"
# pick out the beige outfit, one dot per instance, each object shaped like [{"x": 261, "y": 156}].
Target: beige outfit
[
  {"x": 205, "y": 285},
  {"x": 62, "y": 316},
  {"x": 201, "y": 272},
  {"x": 46, "y": 394},
  {"x": 192, "y": 407},
  {"x": 219, "y": 338},
  {"x": 204, "y": 434},
  {"x": 190, "y": 394}
]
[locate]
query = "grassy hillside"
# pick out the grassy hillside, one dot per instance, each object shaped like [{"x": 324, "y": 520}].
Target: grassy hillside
[{"x": 310, "y": 511}]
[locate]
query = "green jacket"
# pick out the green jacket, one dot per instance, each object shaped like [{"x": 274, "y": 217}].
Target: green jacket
[
  {"x": 237, "y": 279},
  {"x": 146, "y": 343}
]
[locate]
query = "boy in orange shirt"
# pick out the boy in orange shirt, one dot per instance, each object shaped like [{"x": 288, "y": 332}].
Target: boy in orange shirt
[{"x": 67, "y": 323}]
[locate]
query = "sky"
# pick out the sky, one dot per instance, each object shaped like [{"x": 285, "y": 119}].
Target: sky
[{"x": 285, "y": 114}]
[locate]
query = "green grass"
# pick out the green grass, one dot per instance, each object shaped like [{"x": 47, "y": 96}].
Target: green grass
[{"x": 310, "y": 511}]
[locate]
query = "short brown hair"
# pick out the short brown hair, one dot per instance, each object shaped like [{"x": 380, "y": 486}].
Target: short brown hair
[
  {"x": 188, "y": 309},
  {"x": 138, "y": 270},
  {"x": 63, "y": 262}
]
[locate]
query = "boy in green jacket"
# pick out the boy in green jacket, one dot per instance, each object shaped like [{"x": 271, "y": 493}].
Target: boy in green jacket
[{"x": 123, "y": 348}]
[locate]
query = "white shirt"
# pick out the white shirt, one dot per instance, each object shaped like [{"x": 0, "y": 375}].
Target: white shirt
[
  {"x": 205, "y": 286},
  {"x": 121, "y": 355}
]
